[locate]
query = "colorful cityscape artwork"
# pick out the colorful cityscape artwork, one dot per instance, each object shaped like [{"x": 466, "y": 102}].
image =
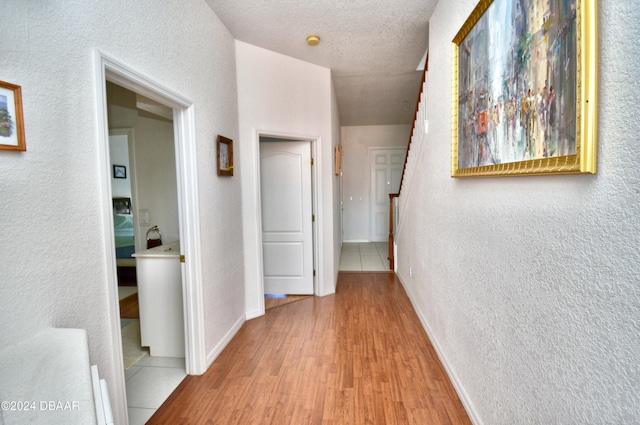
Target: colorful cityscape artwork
[{"x": 517, "y": 83}]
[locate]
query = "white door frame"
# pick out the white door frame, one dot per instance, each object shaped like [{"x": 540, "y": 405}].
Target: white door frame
[
  {"x": 107, "y": 68},
  {"x": 315, "y": 178}
]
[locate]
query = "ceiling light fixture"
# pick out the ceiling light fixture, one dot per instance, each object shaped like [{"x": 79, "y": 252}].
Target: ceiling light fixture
[{"x": 313, "y": 40}]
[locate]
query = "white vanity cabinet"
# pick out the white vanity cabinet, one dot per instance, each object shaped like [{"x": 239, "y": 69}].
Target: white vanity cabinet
[{"x": 159, "y": 275}]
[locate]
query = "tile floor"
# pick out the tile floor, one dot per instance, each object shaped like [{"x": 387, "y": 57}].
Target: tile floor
[
  {"x": 151, "y": 380},
  {"x": 149, "y": 383},
  {"x": 364, "y": 256}
]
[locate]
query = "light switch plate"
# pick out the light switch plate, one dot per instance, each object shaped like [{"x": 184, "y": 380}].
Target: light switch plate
[{"x": 143, "y": 216}]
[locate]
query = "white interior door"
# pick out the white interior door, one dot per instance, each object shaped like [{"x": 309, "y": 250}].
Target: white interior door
[
  {"x": 386, "y": 171},
  {"x": 287, "y": 239}
]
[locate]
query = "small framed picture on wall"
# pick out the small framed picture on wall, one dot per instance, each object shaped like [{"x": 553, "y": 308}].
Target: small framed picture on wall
[
  {"x": 119, "y": 172},
  {"x": 225, "y": 156},
  {"x": 11, "y": 120}
]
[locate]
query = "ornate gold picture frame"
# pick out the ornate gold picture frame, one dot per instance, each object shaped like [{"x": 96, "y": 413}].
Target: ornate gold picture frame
[{"x": 525, "y": 89}]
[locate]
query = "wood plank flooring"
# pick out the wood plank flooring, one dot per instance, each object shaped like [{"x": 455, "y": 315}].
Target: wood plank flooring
[
  {"x": 129, "y": 307},
  {"x": 360, "y": 356}
]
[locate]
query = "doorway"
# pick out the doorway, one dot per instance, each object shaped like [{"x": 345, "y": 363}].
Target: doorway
[
  {"x": 385, "y": 166},
  {"x": 121, "y": 149},
  {"x": 112, "y": 71},
  {"x": 144, "y": 190},
  {"x": 287, "y": 216}
]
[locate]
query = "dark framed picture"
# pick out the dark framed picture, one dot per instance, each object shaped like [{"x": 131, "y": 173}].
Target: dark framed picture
[
  {"x": 11, "y": 120},
  {"x": 119, "y": 172},
  {"x": 525, "y": 89},
  {"x": 225, "y": 156},
  {"x": 122, "y": 205}
]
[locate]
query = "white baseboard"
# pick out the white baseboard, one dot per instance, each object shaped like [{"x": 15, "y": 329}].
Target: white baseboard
[
  {"x": 457, "y": 385},
  {"x": 253, "y": 314},
  {"x": 331, "y": 291},
  {"x": 213, "y": 354}
]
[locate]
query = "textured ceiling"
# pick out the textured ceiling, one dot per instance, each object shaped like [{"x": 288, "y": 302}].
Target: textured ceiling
[{"x": 372, "y": 47}]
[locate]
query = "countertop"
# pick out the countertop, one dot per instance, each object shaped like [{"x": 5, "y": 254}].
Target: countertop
[{"x": 168, "y": 250}]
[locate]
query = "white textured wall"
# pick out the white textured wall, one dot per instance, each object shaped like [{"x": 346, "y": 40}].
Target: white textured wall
[
  {"x": 53, "y": 265},
  {"x": 156, "y": 177},
  {"x": 530, "y": 286},
  {"x": 284, "y": 96},
  {"x": 356, "y": 189}
]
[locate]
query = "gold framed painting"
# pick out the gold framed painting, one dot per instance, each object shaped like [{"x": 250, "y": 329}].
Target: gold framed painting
[
  {"x": 11, "y": 120},
  {"x": 225, "y": 156},
  {"x": 525, "y": 89}
]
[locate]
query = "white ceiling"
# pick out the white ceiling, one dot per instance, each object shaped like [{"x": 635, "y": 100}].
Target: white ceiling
[{"x": 373, "y": 47}]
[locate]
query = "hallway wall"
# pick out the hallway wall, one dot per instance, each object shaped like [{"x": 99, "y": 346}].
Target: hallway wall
[
  {"x": 53, "y": 271},
  {"x": 283, "y": 96},
  {"x": 528, "y": 286}
]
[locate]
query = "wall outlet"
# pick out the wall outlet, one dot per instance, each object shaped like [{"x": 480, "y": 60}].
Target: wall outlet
[{"x": 410, "y": 272}]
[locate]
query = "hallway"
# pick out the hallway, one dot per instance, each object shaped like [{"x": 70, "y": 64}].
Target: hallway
[{"x": 358, "y": 356}]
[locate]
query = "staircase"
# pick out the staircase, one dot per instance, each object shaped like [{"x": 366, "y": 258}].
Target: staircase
[{"x": 418, "y": 134}]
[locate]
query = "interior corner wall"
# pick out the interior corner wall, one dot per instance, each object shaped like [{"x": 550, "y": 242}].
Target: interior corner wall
[
  {"x": 337, "y": 186},
  {"x": 528, "y": 286},
  {"x": 54, "y": 269},
  {"x": 282, "y": 96},
  {"x": 156, "y": 179},
  {"x": 356, "y": 141}
]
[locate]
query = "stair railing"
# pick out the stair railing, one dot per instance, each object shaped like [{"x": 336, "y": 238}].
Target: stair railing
[{"x": 393, "y": 196}]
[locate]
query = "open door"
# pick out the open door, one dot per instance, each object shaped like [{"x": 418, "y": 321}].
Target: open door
[{"x": 287, "y": 233}]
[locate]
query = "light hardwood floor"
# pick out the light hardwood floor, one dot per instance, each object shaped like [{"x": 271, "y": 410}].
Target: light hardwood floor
[
  {"x": 272, "y": 301},
  {"x": 360, "y": 356}
]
